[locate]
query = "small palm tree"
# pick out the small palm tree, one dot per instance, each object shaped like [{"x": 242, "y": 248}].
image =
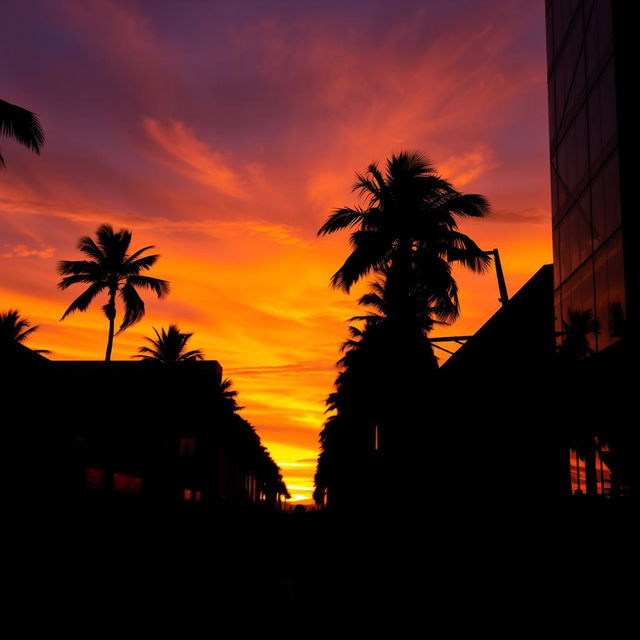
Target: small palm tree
[
  {"x": 21, "y": 125},
  {"x": 114, "y": 271},
  {"x": 169, "y": 347},
  {"x": 14, "y": 328},
  {"x": 576, "y": 330}
]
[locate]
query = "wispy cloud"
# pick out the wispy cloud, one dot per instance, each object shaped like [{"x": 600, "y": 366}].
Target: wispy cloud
[
  {"x": 24, "y": 251},
  {"x": 194, "y": 158}
]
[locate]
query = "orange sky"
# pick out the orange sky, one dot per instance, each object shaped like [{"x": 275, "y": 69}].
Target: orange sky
[{"x": 225, "y": 136}]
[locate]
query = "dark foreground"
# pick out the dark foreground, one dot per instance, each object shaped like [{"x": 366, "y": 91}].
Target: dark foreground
[{"x": 464, "y": 568}]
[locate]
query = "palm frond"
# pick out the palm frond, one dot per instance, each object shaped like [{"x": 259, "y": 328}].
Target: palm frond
[
  {"x": 367, "y": 189},
  {"x": 78, "y": 268},
  {"x": 21, "y": 125},
  {"x": 146, "y": 353},
  {"x": 82, "y": 302},
  {"x": 138, "y": 253},
  {"x": 341, "y": 219},
  {"x": 370, "y": 250},
  {"x": 467, "y": 205},
  {"x": 133, "y": 306},
  {"x": 67, "y": 281},
  {"x": 195, "y": 354},
  {"x": 90, "y": 248},
  {"x": 138, "y": 265},
  {"x": 14, "y": 327},
  {"x": 160, "y": 287},
  {"x": 474, "y": 259}
]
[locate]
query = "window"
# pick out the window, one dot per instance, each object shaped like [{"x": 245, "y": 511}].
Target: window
[
  {"x": 94, "y": 478},
  {"x": 191, "y": 495},
  {"x": 127, "y": 484},
  {"x": 187, "y": 446}
]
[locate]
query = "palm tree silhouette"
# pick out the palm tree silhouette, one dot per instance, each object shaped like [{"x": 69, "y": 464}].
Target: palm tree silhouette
[
  {"x": 576, "y": 329},
  {"x": 169, "y": 347},
  {"x": 408, "y": 229},
  {"x": 407, "y": 234},
  {"x": 386, "y": 366},
  {"x": 14, "y": 328},
  {"x": 21, "y": 125},
  {"x": 113, "y": 270}
]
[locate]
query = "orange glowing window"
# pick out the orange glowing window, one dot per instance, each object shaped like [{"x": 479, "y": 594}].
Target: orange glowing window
[
  {"x": 603, "y": 474},
  {"x": 578, "y": 473},
  {"x": 127, "y": 484},
  {"x": 191, "y": 495},
  {"x": 187, "y": 446},
  {"x": 95, "y": 478}
]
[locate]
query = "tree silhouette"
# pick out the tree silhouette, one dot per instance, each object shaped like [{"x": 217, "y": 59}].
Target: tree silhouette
[
  {"x": 170, "y": 346},
  {"x": 408, "y": 230},
  {"x": 406, "y": 233},
  {"x": 114, "y": 271},
  {"x": 21, "y": 125},
  {"x": 14, "y": 328},
  {"x": 386, "y": 367},
  {"x": 242, "y": 441},
  {"x": 576, "y": 329}
]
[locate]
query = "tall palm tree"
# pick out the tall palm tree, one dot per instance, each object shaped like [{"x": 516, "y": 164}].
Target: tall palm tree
[
  {"x": 170, "y": 346},
  {"x": 14, "y": 328},
  {"x": 406, "y": 233},
  {"x": 113, "y": 270},
  {"x": 21, "y": 125},
  {"x": 407, "y": 228}
]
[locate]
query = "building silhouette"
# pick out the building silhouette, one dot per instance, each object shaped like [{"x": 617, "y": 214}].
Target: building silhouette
[{"x": 110, "y": 434}]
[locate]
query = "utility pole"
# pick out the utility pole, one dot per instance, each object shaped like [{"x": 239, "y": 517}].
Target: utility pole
[{"x": 502, "y": 285}]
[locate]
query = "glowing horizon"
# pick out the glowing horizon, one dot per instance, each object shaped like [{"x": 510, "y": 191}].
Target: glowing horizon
[{"x": 225, "y": 135}]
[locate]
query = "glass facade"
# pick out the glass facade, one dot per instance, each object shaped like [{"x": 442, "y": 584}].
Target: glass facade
[{"x": 585, "y": 169}]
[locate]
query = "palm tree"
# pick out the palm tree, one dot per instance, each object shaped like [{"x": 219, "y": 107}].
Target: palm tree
[
  {"x": 406, "y": 233},
  {"x": 576, "y": 329},
  {"x": 114, "y": 271},
  {"x": 379, "y": 391},
  {"x": 407, "y": 229},
  {"x": 14, "y": 328},
  {"x": 169, "y": 347},
  {"x": 21, "y": 125}
]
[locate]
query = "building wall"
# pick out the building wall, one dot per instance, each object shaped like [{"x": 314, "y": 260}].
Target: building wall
[{"x": 588, "y": 229}]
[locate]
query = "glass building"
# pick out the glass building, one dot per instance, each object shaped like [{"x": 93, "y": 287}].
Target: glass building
[
  {"x": 590, "y": 139},
  {"x": 593, "y": 140}
]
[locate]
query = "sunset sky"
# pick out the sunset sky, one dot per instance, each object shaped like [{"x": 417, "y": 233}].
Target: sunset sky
[{"x": 224, "y": 133}]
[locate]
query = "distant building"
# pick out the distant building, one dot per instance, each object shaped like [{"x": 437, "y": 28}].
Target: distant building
[{"x": 118, "y": 433}]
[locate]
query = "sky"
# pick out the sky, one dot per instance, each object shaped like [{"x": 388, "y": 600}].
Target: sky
[{"x": 225, "y": 133}]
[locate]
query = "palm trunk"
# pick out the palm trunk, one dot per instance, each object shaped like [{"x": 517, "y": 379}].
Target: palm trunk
[{"x": 110, "y": 311}]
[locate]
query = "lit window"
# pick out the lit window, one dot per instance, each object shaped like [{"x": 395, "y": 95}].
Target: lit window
[
  {"x": 127, "y": 484},
  {"x": 578, "y": 473},
  {"x": 187, "y": 446},
  {"x": 95, "y": 478}
]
